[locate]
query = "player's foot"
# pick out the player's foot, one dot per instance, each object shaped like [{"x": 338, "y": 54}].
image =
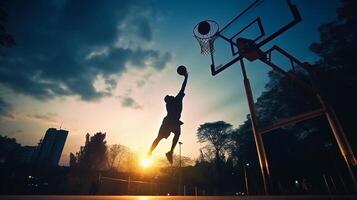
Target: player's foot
[
  {"x": 169, "y": 156},
  {"x": 149, "y": 153}
]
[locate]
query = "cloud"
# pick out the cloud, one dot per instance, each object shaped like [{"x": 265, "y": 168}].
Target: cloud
[
  {"x": 14, "y": 132},
  {"x": 5, "y": 107},
  {"x": 143, "y": 80},
  {"x": 63, "y": 46},
  {"x": 129, "y": 102},
  {"x": 50, "y": 118}
]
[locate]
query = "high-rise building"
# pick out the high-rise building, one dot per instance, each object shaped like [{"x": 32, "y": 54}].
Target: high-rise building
[
  {"x": 27, "y": 154},
  {"x": 51, "y": 147}
]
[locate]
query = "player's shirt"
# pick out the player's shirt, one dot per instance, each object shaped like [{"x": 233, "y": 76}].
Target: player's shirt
[{"x": 174, "y": 107}]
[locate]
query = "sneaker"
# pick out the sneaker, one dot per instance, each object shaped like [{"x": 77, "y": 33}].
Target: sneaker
[{"x": 169, "y": 157}]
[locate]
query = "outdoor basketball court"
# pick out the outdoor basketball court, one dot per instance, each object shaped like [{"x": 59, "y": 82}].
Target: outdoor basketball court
[
  {"x": 246, "y": 38},
  {"x": 172, "y": 197}
]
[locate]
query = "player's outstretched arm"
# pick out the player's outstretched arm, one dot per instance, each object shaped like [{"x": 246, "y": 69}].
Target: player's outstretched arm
[{"x": 183, "y": 87}]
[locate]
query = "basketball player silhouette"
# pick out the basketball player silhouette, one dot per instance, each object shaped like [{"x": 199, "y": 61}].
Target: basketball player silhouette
[{"x": 171, "y": 122}]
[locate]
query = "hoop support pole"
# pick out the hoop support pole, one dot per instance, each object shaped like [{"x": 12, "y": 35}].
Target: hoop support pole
[
  {"x": 264, "y": 167},
  {"x": 341, "y": 139}
]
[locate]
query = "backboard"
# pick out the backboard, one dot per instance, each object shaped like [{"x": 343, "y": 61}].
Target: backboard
[{"x": 257, "y": 24}]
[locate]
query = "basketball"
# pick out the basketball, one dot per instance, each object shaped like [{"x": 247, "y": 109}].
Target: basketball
[
  {"x": 181, "y": 70},
  {"x": 204, "y": 27}
]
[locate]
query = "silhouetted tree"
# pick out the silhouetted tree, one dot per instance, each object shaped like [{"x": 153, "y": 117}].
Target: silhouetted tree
[
  {"x": 206, "y": 155},
  {"x": 9, "y": 149},
  {"x": 243, "y": 149},
  {"x": 185, "y": 161},
  {"x": 336, "y": 70},
  {"x": 115, "y": 155},
  {"x": 284, "y": 98},
  {"x": 217, "y": 136},
  {"x": 92, "y": 155},
  {"x": 72, "y": 160},
  {"x": 131, "y": 162}
]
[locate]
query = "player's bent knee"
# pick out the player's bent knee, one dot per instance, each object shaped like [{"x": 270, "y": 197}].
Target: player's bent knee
[{"x": 158, "y": 138}]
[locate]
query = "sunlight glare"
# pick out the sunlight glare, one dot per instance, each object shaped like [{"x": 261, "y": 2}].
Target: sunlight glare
[
  {"x": 145, "y": 162},
  {"x": 143, "y": 198}
]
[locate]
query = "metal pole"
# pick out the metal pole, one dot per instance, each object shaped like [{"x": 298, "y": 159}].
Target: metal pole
[
  {"x": 341, "y": 139},
  {"x": 343, "y": 184},
  {"x": 180, "y": 172},
  {"x": 326, "y": 184},
  {"x": 129, "y": 180},
  {"x": 333, "y": 184},
  {"x": 180, "y": 143},
  {"x": 257, "y": 137},
  {"x": 246, "y": 178}
]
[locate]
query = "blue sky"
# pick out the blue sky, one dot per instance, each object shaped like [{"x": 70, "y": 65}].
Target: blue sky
[{"x": 106, "y": 66}]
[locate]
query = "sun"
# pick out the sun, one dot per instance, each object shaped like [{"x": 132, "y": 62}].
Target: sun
[{"x": 145, "y": 162}]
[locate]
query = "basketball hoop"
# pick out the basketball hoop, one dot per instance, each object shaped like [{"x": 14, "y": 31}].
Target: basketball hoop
[{"x": 206, "y": 32}]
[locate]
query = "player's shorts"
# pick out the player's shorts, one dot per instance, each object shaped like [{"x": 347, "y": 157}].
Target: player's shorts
[{"x": 169, "y": 126}]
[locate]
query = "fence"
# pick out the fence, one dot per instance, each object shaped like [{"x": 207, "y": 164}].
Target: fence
[{"x": 111, "y": 185}]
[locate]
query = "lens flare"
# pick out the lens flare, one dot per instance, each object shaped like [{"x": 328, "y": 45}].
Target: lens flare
[{"x": 145, "y": 162}]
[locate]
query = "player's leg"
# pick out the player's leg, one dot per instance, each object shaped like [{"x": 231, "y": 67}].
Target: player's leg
[
  {"x": 164, "y": 132},
  {"x": 154, "y": 144},
  {"x": 175, "y": 140},
  {"x": 177, "y": 132}
]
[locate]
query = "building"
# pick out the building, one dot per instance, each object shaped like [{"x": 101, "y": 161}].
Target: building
[
  {"x": 51, "y": 147},
  {"x": 27, "y": 154}
]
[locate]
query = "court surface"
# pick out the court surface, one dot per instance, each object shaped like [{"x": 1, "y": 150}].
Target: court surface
[{"x": 44, "y": 197}]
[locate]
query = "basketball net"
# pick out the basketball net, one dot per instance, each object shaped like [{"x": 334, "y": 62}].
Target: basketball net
[{"x": 206, "y": 41}]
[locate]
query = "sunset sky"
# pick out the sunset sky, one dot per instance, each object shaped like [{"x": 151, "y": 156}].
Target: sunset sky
[{"x": 107, "y": 65}]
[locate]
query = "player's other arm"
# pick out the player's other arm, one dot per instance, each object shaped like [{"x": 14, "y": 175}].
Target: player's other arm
[{"x": 183, "y": 87}]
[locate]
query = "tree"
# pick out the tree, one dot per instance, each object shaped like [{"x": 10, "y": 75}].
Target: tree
[
  {"x": 243, "y": 149},
  {"x": 185, "y": 161},
  {"x": 206, "y": 155},
  {"x": 217, "y": 136},
  {"x": 9, "y": 149},
  {"x": 336, "y": 70},
  {"x": 115, "y": 155},
  {"x": 92, "y": 155},
  {"x": 131, "y": 162},
  {"x": 218, "y": 175},
  {"x": 72, "y": 160}
]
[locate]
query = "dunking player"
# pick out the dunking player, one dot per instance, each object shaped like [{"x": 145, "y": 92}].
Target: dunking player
[{"x": 172, "y": 123}]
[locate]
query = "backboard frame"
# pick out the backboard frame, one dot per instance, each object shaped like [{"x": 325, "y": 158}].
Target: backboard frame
[{"x": 296, "y": 19}]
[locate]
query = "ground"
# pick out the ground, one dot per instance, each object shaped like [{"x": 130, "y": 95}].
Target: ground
[{"x": 315, "y": 197}]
